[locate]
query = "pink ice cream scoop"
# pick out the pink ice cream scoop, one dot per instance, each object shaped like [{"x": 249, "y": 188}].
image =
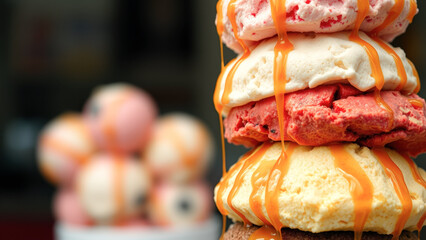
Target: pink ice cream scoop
[
  {"x": 120, "y": 117},
  {"x": 180, "y": 149},
  {"x": 64, "y": 146},
  {"x": 254, "y": 21},
  {"x": 180, "y": 205},
  {"x": 68, "y": 209}
]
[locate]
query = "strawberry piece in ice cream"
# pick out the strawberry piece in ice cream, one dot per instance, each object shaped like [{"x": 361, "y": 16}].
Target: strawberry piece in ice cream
[
  {"x": 254, "y": 20},
  {"x": 329, "y": 114}
]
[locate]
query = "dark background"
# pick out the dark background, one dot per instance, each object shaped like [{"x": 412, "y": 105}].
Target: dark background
[{"x": 53, "y": 53}]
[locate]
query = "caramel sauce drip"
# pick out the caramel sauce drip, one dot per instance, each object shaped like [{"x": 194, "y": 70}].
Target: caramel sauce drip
[
  {"x": 419, "y": 179},
  {"x": 220, "y": 28},
  {"x": 224, "y": 184},
  {"x": 398, "y": 62},
  {"x": 373, "y": 56},
  {"x": 393, "y": 14},
  {"x": 416, "y": 74},
  {"x": 413, "y": 10},
  {"x": 385, "y": 106},
  {"x": 274, "y": 184},
  {"x": 395, "y": 174},
  {"x": 118, "y": 179},
  {"x": 420, "y": 224},
  {"x": 416, "y": 102},
  {"x": 266, "y": 233},
  {"x": 250, "y": 158},
  {"x": 258, "y": 183},
  {"x": 360, "y": 186},
  {"x": 377, "y": 74},
  {"x": 281, "y": 51},
  {"x": 246, "y": 54}
]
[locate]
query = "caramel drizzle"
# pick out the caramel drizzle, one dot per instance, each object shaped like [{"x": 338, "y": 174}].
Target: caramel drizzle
[
  {"x": 274, "y": 184},
  {"x": 266, "y": 233},
  {"x": 419, "y": 179},
  {"x": 398, "y": 182},
  {"x": 224, "y": 184},
  {"x": 361, "y": 187},
  {"x": 416, "y": 102},
  {"x": 218, "y": 106},
  {"x": 413, "y": 10},
  {"x": 220, "y": 28},
  {"x": 393, "y": 14},
  {"x": 118, "y": 181},
  {"x": 373, "y": 56},
  {"x": 258, "y": 182},
  {"x": 229, "y": 78},
  {"x": 416, "y": 74},
  {"x": 249, "y": 159}
]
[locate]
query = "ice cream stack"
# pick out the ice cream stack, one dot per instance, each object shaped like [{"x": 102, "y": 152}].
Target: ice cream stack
[
  {"x": 118, "y": 165},
  {"x": 331, "y": 113}
]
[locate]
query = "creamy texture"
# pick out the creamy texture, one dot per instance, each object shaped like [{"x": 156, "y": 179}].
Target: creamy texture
[
  {"x": 180, "y": 149},
  {"x": 317, "y": 59},
  {"x": 315, "y": 195},
  {"x": 113, "y": 189},
  {"x": 254, "y": 20}
]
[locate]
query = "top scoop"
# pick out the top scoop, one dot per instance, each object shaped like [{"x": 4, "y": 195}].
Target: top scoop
[{"x": 254, "y": 21}]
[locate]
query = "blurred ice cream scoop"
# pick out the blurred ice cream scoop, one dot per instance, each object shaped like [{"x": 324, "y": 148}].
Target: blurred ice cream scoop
[
  {"x": 120, "y": 117},
  {"x": 180, "y": 149},
  {"x": 113, "y": 189},
  {"x": 64, "y": 145},
  {"x": 68, "y": 209},
  {"x": 178, "y": 205},
  {"x": 254, "y": 19}
]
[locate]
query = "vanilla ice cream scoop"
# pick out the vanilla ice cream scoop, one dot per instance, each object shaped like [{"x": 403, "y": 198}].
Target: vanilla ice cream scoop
[
  {"x": 317, "y": 59},
  {"x": 254, "y": 21},
  {"x": 113, "y": 189},
  {"x": 320, "y": 189}
]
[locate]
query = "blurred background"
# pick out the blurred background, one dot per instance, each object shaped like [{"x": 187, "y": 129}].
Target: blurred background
[{"x": 53, "y": 53}]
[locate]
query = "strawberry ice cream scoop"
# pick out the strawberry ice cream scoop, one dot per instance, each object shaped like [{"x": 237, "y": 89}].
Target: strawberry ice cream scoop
[
  {"x": 254, "y": 20},
  {"x": 120, "y": 117},
  {"x": 330, "y": 114},
  {"x": 67, "y": 208}
]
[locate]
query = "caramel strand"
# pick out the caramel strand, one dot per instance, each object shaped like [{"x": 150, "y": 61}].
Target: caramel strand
[
  {"x": 419, "y": 179},
  {"x": 361, "y": 187},
  {"x": 249, "y": 158},
  {"x": 413, "y": 10},
  {"x": 416, "y": 102},
  {"x": 373, "y": 56},
  {"x": 381, "y": 102},
  {"x": 274, "y": 184},
  {"x": 266, "y": 233},
  {"x": 393, "y": 14},
  {"x": 246, "y": 54},
  {"x": 398, "y": 182},
  {"x": 416, "y": 75},
  {"x": 258, "y": 183}
]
